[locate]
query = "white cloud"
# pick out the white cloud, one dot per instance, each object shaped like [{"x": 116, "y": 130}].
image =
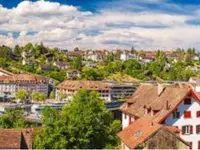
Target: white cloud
[{"x": 66, "y": 26}]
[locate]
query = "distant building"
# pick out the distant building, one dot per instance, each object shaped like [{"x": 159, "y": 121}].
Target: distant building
[
  {"x": 126, "y": 55},
  {"x": 109, "y": 91},
  {"x": 10, "y": 84},
  {"x": 61, "y": 65},
  {"x": 74, "y": 54},
  {"x": 16, "y": 139},
  {"x": 97, "y": 55},
  {"x": 73, "y": 74}
]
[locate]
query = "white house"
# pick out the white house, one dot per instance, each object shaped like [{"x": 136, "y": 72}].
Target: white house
[
  {"x": 126, "y": 55},
  {"x": 171, "y": 105}
]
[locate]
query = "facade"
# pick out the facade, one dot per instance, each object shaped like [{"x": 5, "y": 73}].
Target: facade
[
  {"x": 97, "y": 55},
  {"x": 73, "y": 74},
  {"x": 126, "y": 55},
  {"x": 10, "y": 84},
  {"x": 174, "y": 105},
  {"x": 109, "y": 91}
]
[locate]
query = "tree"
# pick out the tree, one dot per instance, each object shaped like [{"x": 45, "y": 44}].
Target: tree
[
  {"x": 52, "y": 95},
  {"x": 61, "y": 95},
  {"x": 77, "y": 63},
  {"x": 17, "y": 51},
  {"x": 90, "y": 123},
  {"x": 35, "y": 96},
  {"x": 42, "y": 97},
  {"x": 12, "y": 119},
  {"x": 83, "y": 123},
  {"x": 76, "y": 49},
  {"x": 21, "y": 95}
]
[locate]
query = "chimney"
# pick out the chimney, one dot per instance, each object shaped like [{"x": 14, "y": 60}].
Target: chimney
[{"x": 160, "y": 89}]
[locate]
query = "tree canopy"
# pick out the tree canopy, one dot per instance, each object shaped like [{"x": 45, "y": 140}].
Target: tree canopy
[{"x": 83, "y": 123}]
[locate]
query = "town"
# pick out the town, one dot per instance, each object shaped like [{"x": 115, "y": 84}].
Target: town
[{"x": 126, "y": 99}]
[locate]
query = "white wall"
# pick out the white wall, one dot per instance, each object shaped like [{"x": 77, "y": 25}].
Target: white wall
[{"x": 194, "y": 107}]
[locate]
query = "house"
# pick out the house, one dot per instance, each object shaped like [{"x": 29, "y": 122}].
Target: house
[
  {"x": 45, "y": 68},
  {"x": 16, "y": 138},
  {"x": 49, "y": 57},
  {"x": 145, "y": 134},
  {"x": 176, "y": 105},
  {"x": 10, "y": 84},
  {"x": 97, "y": 55},
  {"x": 73, "y": 74},
  {"x": 126, "y": 55},
  {"x": 74, "y": 54},
  {"x": 27, "y": 53},
  {"x": 61, "y": 64},
  {"x": 28, "y": 61},
  {"x": 109, "y": 91}
]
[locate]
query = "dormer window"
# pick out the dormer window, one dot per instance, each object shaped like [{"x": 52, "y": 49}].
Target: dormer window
[
  {"x": 176, "y": 114},
  {"x": 187, "y": 101}
]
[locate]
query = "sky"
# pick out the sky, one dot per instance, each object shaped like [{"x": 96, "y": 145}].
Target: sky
[{"x": 101, "y": 24}]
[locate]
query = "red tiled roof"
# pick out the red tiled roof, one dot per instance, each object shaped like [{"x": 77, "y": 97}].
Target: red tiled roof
[
  {"x": 142, "y": 129},
  {"x": 15, "y": 139},
  {"x": 23, "y": 78},
  {"x": 79, "y": 84}
]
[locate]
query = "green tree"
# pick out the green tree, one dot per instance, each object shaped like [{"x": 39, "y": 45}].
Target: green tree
[
  {"x": 90, "y": 123},
  {"x": 52, "y": 95},
  {"x": 17, "y": 51},
  {"x": 12, "y": 119},
  {"x": 77, "y": 63},
  {"x": 83, "y": 123},
  {"x": 35, "y": 96},
  {"x": 42, "y": 97},
  {"x": 21, "y": 95}
]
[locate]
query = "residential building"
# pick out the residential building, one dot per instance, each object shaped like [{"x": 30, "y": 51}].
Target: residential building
[
  {"x": 109, "y": 91},
  {"x": 74, "y": 54},
  {"x": 61, "y": 64},
  {"x": 126, "y": 55},
  {"x": 10, "y": 84},
  {"x": 16, "y": 138},
  {"x": 175, "y": 105},
  {"x": 144, "y": 134},
  {"x": 73, "y": 74},
  {"x": 98, "y": 55}
]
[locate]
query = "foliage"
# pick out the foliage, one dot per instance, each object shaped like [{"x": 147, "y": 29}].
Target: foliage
[
  {"x": 37, "y": 96},
  {"x": 52, "y": 95},
  {"x": 21, "y": 94},
  {"x": 12, "y": 119},
  {"x": 83, "y": 123}
]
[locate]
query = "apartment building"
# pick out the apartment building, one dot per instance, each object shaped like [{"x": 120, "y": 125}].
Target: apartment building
[
  {"x": 173, "y": 105},
  {"x": 108, "y": 91},
  {"x": 10, "y": 84}
]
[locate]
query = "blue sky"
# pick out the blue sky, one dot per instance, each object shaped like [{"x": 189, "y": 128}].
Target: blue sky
[{"x": 109, "y": 24}]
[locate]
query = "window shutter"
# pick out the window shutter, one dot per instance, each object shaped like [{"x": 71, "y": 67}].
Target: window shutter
[
  {"x": 191, "y": 129},
  {"x": 183, "y": 130},
  {"x": 197, "y": 129},
  {"x": 178, "y": 114}
]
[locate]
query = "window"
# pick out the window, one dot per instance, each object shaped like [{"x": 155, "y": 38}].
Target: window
[
  {"x": 187, "y": 101},
  {"x": 198, "y": 114},
  {"x": 175, "y": 114},
  {"x": 125, "y": 116},
  {"x": 187, "y": 129},
  {"x": 187, "y": 114},
  {"x": 198, "y": 129}
]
